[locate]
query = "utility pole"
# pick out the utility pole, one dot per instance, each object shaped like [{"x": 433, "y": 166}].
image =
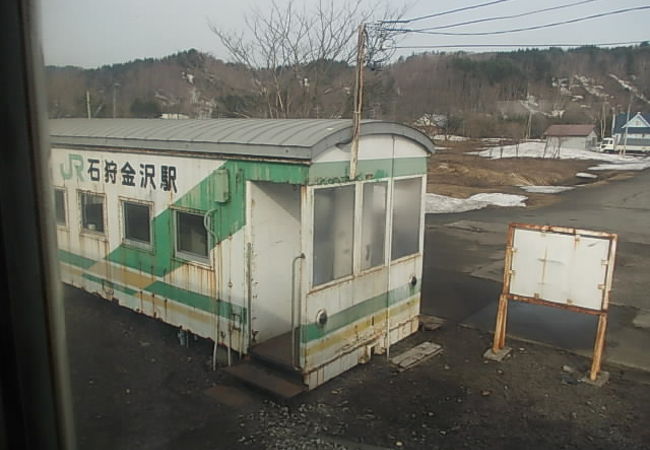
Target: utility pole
[
  {"x": 115, "y": 86},
  {"x": 629, "y": 105},
  {"x": 88, "y": 104},
  {"x": 358, "y": 101}
]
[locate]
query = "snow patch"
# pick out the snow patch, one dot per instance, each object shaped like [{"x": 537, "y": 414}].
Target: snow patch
[
  {"x": 586, "y": 175},
  {"x": 630, "y": 87},
  {"x": 449, "y": 137},
  {"x": 442, "y": 204},
  {"x": 546, "y": 189},
  {"x": 536, "y": 149},
  {"x": 624, "y": 166}
]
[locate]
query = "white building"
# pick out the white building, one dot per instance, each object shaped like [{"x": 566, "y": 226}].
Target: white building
[{"x": 570, "y": 136}]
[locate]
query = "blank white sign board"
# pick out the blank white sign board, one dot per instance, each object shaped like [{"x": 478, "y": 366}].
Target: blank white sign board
[{"x": 559, "y": 268}]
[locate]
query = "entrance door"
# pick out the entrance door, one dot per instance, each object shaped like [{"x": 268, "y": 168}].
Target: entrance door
[{"x": 274, "y": 233}]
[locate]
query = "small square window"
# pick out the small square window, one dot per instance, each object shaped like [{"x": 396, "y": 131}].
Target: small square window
[
  {"x": 59, "y": 206},
  {"x": 137, "y": 222},
  {"x": 191, "y": 235},
  {"x": 92, "y": 212}
]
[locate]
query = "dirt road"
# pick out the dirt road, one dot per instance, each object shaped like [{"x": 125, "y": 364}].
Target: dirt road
[{"x": 134, "y": 386}]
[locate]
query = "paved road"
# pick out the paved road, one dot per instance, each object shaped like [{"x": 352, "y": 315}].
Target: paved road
[{"x": 464, "y": 265}]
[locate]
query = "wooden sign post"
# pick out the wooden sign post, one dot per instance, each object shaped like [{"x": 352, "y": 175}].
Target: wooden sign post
[{"x": 561, "y": 267}]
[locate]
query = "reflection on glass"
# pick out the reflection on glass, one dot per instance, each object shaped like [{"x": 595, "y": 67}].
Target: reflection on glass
[
  {"x": 333, "y": 233},
  {"x": 92, "y": 212},
  {"x": 373, "y": 224},
  {"x": 191, "y": 235},
  {"x": 407, "y": 197},
  {"x": 136, "y": 222},
  {"x": 59, "y": 206}
]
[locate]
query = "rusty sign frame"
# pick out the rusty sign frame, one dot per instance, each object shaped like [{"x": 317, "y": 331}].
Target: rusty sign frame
[{"x": 502, "y": 311}]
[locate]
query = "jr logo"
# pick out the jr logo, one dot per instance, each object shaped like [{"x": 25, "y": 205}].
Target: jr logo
[{"x": 75, "y": 165}]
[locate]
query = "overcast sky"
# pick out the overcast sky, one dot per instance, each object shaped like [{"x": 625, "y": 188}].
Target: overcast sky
[{"x": 91, "y": 33}]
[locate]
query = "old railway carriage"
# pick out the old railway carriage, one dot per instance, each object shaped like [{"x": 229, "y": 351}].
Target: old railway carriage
[{"x": 249, "y": 232}]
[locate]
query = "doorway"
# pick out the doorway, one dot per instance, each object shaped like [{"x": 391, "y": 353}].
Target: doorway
[{"x": 274, "y": 234}]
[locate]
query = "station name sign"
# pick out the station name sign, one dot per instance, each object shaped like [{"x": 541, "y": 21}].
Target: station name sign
[{"x": 150, "y": 176}]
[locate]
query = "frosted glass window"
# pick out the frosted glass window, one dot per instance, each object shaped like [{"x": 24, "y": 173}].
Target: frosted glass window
[
  {"x": 333, "y": 233},
  {"x": 407, "y": 198},
  {"x": 92, "y": 212},
  {"x": 373, "y": 224},
  {"x": 191, "y": 235}
]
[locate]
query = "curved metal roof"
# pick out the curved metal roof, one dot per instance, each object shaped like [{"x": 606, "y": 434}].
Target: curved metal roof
[{"x": 301, "y": 139}]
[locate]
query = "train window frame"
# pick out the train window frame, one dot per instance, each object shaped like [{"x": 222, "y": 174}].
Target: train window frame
[
  {"x": 135, "y": 243},
  {"x": 64, "y": 192},
  {"x": 418, "y": 252},
  {"x": 87, "y": 231},
  {"x": 387, "y": 228},
  {"x": 317, "y": 284},
  {"x": 187, "y": 256}
]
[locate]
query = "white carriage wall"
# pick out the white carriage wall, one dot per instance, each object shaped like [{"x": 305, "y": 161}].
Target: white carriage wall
[
  {"x": 103, "y": 262},
  {"x": 372, "y": 307}
]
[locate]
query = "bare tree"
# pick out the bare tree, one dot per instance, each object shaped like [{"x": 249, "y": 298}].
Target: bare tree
[{"x": 291, "y": 52}]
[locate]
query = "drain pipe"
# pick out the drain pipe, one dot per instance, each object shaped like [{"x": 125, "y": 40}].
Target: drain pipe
[{"x": 293, "y": 309}]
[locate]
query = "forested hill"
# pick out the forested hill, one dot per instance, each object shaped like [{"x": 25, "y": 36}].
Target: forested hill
[{"x": 478, "y": 94}]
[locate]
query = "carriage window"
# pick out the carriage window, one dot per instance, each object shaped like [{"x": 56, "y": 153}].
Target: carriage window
[
  {"x": 191, "y": 235},
  {"x": 407, "y": 195},
  {"x": 59, "y": 206},
  {"x": 137, "y": 225},
  {"x": 92, "y": 212},
  {"x": 373, "y": 224},
  {"x": 333, "y": 233}
]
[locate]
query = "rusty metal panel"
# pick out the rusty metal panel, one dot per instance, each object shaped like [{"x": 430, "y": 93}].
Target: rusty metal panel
[{"x": 559, "y": 265}]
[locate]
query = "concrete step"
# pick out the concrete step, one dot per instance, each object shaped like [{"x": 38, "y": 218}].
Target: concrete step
[
  {"x": 276, "y": 382},
  {"x": 275, "y": 352}
]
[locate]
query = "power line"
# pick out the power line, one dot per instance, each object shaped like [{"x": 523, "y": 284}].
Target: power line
[
  {"x": 600, "y": 44},
  {"x": 512, "y": 16},
  {"x": 517, "y": 30},
  {"x": 444, "y": 13}
]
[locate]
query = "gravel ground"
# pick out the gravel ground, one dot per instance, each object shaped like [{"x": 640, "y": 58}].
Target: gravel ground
[{"x": 134, "y": 386}]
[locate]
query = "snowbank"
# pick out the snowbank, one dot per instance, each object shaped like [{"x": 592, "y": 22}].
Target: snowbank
[
  {"x": 642, "y": 165},
  {"x": 536, "y": 150},
  {"x": 449, "y": 137},
  {"x": 546, "y": 189},
  {"x": 441, "y": 204}
]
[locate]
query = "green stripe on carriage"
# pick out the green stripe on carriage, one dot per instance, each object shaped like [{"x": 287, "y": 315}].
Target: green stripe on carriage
[
  {"x": 338, "y": 171},
  {"x": 410, "y": 166},
  {"x": 199, "y": 301},
  {"x": 356, "y": 312},
  {"x": 227, "y": 218},
  {"x": 116, "y": 286},
  {"x": 75, "y": 260}
]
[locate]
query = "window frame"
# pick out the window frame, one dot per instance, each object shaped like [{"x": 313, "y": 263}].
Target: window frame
[
  {"x": 421, "y": 220},
  {"x": 86, "y": 231},
  {"x": 66, "y": 218},
  {"x": 353, "y": 271},
  {"x": 189, "y": 257},
  {"x": 387, "y": 225},
  {"x": 134, "y": 242}
]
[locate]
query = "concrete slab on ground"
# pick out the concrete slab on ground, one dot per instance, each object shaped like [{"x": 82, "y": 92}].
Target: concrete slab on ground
[{"x": 463, "y": 270}]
